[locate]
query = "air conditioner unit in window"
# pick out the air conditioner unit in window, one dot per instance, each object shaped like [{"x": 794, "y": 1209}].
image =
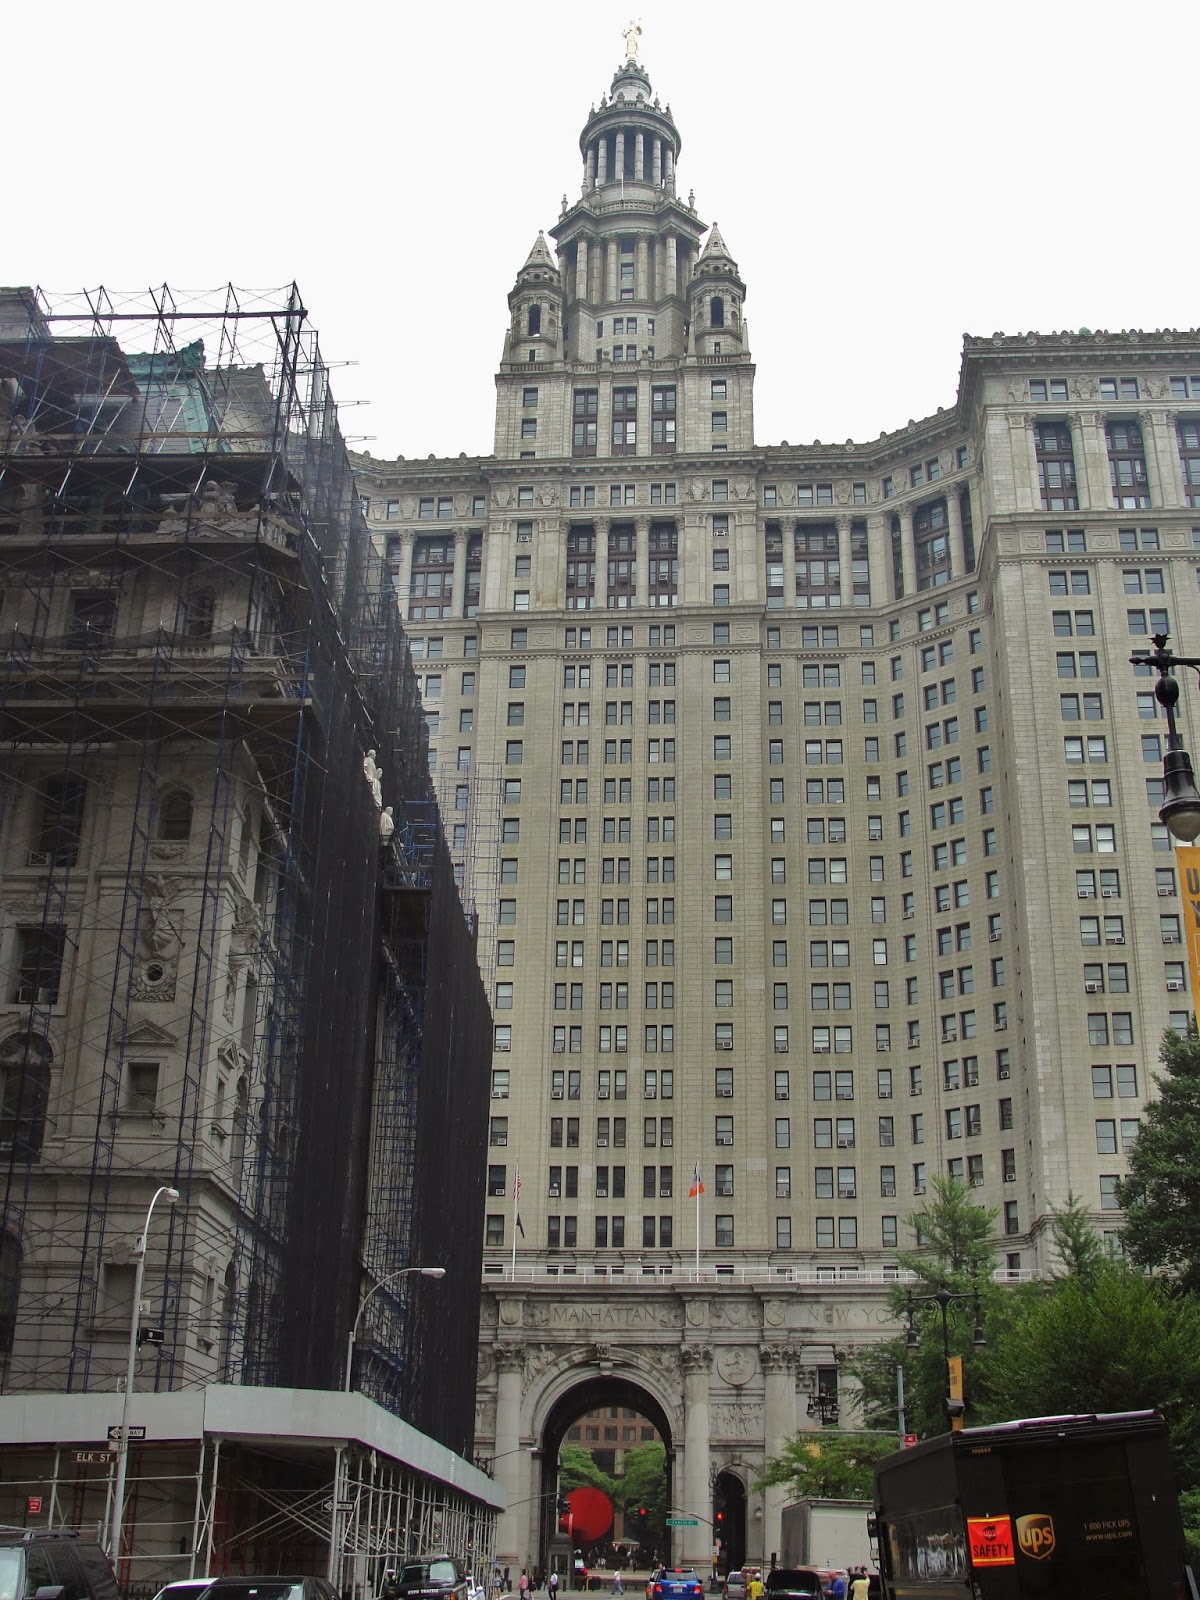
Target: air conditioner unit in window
[
  {"x": 1086, "y": 894},
  {"x": 667, "y": 1141},
  {"x": 1171, "y": 938},
  {"x": 556, "y": 1094},
  {"x": 724, "y": 1044},
  {"x": 820, "y": 1049},
  {"x": 1001, "y": 1027},
  {"x": 1093, "y": 988},
  {"x": 780, "y": 1049},
  {"x": 908, "y": 916},
  {"x": 846, "y": 1194},
  {"x": 1165, "y": 894},
  {"x": 782, "y": 1094},
  {"x": 602, "y": 1094},
  {"x": 918, "y": 1188},
  {"x": 1010, "y": 1177},
  {"x": 724, "y": 1138},
  {"x": 1110, "y": 894},
  {"x": 885, "y": 1094},
  {"x": 882, "y": 1049},
  {"x": 500, "y": 1139},
  {"x": 502, "y": 1049},
  {"x": 917, "y": 1090},
  {"x": 724, "y": 1094},
  {"x": 553, "y": 1193},
  {"x": 950, "y": 1038},
  {"x": 622, "y": 1048},
  {"x": 499, "y": 1094},
  {"x": 664, "y": 1194},
  {"x": 602, "y": 1142},
  {"x": 977, "y": 1183},
  {"x": 1002, "y": 1074},
  {"x": 845, "y": 1144},
  {"x": 559, "y": 1049},
  {"x": 1115, "y": 938},
  {"x": 994, "y": 938},
  {"x": 1174, "y": 983}
]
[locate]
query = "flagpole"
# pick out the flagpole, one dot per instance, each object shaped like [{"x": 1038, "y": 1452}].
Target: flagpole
[
  {"x": 697, "y": 1188},
  {"x": 516, "y": 1214}
]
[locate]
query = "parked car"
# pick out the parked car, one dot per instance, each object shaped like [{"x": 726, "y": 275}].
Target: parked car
[
  {"x": 734, "y": 1587},
  {"x": 289, "y": 1586},
  {"x": 50, "y": 1564},
  {"x": 430, "y": 1576},
  {"x": 676, "y": 1583},
  {"x": 794, "y": 1583},
  {"x": 183, "y": 1589}
]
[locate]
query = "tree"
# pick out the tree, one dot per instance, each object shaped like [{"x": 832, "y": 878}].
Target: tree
[
  {"x": 1117, "y": 1340},
  {"x": 1079, "y": 1246},
  {"x": 577, "y": 1466},
  {"x": 823, "y": 1464},
  {"x": 644, "y": 1483},
  {"x": 1161, "y": 1194},
  {"x": 954, "y": 1250}
]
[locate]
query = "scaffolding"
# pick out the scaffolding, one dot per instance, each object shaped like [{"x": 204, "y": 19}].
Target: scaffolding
[{"x": 201, "y": 645}]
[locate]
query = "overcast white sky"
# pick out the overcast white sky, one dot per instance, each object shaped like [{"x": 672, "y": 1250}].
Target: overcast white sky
[{"x": 886, "y": 176}]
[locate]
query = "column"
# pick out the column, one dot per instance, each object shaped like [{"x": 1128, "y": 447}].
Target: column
[
  {"x": 778, "y": 1367},
  {"x": 510, "y": 1370},
  {"x": 788, "y": 536},
  {"x": 1163, "y": 467},
  {"x": 590, "y": 169},
  {"x": 458, "y": 590},
  {"x": 879, "y": 555},
  {"x": 404, "y": 571},
  {"x": 696, "y": 1499},
  {"x": 602, "y": 158},
  {"x": 619, "y": 159},
  {"x": 641, "y": 527},
  {"x": 639, "y": 156},
  {"x": 669, "y": 174},
  {"x": 602, "y": 524},
  {"x": 958, "y": 550},
  {"x": 581, "y": 270},
  {"x": 612, "y": 256},
  {"x": 845, "y": 579},
  {"x": 642, "y": 270},
  {"x": 908, "y": 553},
  {"x": 672, "y": 284},
  {"x": 656, "y": 150},
  {"x": 1091, "y": 461}
]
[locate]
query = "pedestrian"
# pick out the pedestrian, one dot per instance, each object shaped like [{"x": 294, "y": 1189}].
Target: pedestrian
[
  {"x": 837, "y": 1589},
  {"x": 859, "y": 1585},
  {"x": 755, "y": 1588},
  {"x": 618, "y": 1587},
  {"x": 507, "y": 1580},
  {"x": 554, "y": 1585},
  {"x": 523, "y": 1585}
]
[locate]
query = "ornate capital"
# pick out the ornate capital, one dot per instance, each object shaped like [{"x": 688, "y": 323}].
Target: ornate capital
[
  {"x": 642, "y": 525},
  {"x": 695, "y": 1358},
  {"x": 510, "y": 1358},
  {"x": 776, "y": 1357}
]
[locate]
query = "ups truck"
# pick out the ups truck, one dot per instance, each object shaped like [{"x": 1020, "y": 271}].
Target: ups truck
[{"x": 1053, "y": 1508}]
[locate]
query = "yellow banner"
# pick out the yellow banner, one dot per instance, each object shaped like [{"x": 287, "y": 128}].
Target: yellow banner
[
  {"x": 1188, "y": 857},
  {"x": 955, "y": 1377}
]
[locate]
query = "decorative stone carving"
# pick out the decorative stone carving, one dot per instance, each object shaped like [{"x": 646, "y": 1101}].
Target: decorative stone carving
[
  {"x": 510, "y": 1358},
  {"x": 160, "y": 923},
  {"x": 776, "y": 1357},
  {"x": 736, "y": 1420},
  {"x": 695, "y": 1358},
  {"x": 155, "y": 980},
  {"x": 736, "y": 1365},
  {"x": 540, "y": 1358},
  {"x": 168, "y": 849},
  {"x": 734, "y": 1314},
  {"x": 1086, "y": 389},
  {"x": 697, "y": 1313},
  {"x": 247, "y": 927},
  {"x": 774, "y": 1313}
]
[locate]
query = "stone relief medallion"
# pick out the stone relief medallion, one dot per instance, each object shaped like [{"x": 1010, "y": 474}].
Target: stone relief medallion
[
  {"x": 510, "y": 1313},
  {"x": 155, "y": 980},
  {"x": 736, "y": 1366},
  {"x": 774, "y": 1314},
  {"x": 697, "y": 1313}
]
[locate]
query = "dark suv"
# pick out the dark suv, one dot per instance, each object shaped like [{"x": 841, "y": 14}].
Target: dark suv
[
  {"x": 431, "y": 1578},
  {"x": 37, "y": 1564},
  {"x": 793, "y": 1583}
]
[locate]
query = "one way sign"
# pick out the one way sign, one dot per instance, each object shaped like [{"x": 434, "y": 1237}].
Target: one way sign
[{"x": 136, "y": 1431}]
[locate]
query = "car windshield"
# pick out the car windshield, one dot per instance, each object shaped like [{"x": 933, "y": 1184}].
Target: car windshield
[
  {"x": 256, "y": 1589},
  {"x": 10, "y": 1574},
  {"x": 428, "y": 1572}
]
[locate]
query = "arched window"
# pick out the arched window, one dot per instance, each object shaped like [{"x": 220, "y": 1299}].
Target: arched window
[
  {"x": 25, "y": 1061},
  {"x": 716, "y": 312},
  {"x": 535, "y": 320},
  {"x": 175, "y": 815},
  {"x": 201, "y": 608}
]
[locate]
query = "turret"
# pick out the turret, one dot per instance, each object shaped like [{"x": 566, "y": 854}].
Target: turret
[
  {"x": 535, "y": 307},
  {"x": 715, "y": 298}
]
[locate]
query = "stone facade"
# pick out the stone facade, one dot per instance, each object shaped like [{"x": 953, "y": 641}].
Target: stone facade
[{"x": 824, "y": 803}]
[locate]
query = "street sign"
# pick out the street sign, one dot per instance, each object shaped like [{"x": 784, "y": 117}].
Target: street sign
[
  {"x": 136, "y": 1431},
  {"x": 683, "y": 1522},
  {"x": 33, "y": 1505},
  {"x": 910, "y": 1439},
  {"x": 345, "y": 1505},
  {"x": 90, "y": 1458}
]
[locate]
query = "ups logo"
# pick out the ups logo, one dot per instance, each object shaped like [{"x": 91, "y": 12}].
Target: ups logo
[{"x": 1035, "y": 1535}]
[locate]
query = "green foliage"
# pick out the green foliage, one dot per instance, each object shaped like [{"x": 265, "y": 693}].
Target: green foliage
[
  {"x": 1161, "y": 1194},
  {"x": 577, "y": 1466},
  {"x": 644, "y": 1483},
  {"x": 957, "y": 1252},
  {"x": 1079, "y": 1246},
  {"x": 823, "y": 1464},
  {"x": 1115, "y": 1341}
]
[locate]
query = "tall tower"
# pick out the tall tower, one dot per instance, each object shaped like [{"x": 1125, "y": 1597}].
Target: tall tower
[{"x": 624, "y": 337}]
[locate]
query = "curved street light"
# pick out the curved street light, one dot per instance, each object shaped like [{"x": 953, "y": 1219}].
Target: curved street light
[
  {"x": 943, "y": 1299},
  {"x": 1180, "y": 811},
  {"x": 402, "y": 1272},
  {"x": 134, "y": 1320}
]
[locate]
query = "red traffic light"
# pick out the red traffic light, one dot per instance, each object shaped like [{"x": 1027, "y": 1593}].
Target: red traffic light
[{"x": 720, "y": 1516}]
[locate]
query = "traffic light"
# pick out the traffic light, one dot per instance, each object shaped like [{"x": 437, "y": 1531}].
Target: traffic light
[
  {"x": 720, "y": 1518},
  {"x": 642, "y": 1516},
  {"x": 563, "y": 1504}
]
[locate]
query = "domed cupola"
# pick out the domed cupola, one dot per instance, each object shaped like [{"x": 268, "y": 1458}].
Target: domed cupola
[
  {"x": 631, "y": 141},
  {"x": 715, "y": 299},
  {"x": 535, "y": 306}
]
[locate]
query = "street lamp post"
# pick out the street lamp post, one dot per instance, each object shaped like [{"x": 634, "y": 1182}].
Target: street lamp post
[
  {"x": 1180, "y": 812},
  {"x": 134, "y": 1327},
  {"x": 402, "y": 1272},
  {"x": 943, "y": 1299}
]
